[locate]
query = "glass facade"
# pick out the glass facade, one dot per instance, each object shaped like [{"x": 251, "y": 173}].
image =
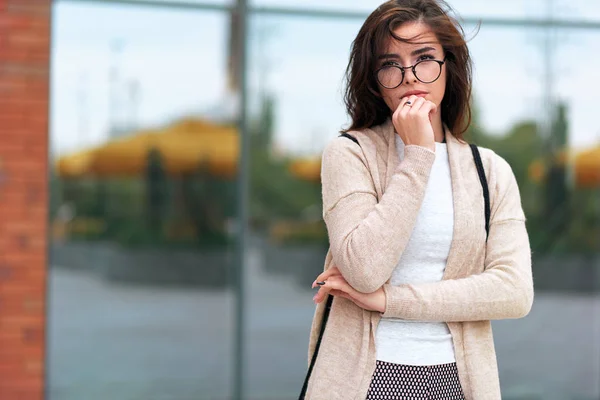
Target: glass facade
[
  {"x": 141, "y": 282},
  {"x": 145, "y": 192}
]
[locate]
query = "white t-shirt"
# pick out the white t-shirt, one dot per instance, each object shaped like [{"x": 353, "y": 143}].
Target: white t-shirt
[{"x": 424, "y": 260}]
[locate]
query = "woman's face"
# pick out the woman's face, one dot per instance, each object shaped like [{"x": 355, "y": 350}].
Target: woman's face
[{"x": 407, "y": 54}]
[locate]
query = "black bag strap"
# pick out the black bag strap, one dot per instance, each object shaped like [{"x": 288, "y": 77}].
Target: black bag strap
[
  {"x": 484, "y": 186},
  {"x": 318, "y": 344},
  {"x": 486, "y": 198},
  {"x": 346, "y": 135}
]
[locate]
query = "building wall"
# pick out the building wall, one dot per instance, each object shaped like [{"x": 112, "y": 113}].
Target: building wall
[{"x": 24, "y": 97}]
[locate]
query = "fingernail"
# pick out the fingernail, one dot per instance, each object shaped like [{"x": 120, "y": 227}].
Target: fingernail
[{"x": 321, "y": 283}]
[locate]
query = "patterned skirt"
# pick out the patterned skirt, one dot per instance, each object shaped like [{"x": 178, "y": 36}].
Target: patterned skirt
[{"x": 415, "y": 382}]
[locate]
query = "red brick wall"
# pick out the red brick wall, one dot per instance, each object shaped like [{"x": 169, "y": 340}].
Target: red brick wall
[{"x": 24, "y": 89}]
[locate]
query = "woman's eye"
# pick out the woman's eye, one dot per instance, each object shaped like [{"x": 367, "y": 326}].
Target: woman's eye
[
  {"x": 426, "y": 57},
  {"x": 390, "y": 64}
]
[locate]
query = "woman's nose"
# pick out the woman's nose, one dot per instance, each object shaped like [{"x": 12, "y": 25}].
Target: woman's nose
[{"x": 409, "y": 76}]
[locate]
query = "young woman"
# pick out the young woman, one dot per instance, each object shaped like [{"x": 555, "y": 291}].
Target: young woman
[{"x": 416, "y": 272}]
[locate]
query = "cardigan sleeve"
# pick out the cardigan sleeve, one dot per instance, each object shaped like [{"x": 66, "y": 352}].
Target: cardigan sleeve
[
  {"x": 503, "y": 290},
  {"x": 367, "y": 237}
]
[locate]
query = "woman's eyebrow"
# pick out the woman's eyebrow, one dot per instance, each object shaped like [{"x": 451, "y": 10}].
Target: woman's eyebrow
[
  {"x": 387, "y": 56},
  {"x": 422, "y": 50},
  {"x": 413, "y": 53}
]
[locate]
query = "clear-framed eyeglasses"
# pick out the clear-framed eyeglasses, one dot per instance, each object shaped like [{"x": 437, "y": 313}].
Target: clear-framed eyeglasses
[{"x": 391, "y": 76}]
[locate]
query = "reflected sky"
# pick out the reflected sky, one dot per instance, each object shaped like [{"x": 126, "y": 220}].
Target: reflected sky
[{"x": 176, "y": 59}]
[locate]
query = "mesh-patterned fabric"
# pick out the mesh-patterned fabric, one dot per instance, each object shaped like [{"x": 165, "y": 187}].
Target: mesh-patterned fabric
[{"x": 415, "y": 382}]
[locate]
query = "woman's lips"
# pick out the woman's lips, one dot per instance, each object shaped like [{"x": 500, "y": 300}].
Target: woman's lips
[{"x": 418, "y": 94}]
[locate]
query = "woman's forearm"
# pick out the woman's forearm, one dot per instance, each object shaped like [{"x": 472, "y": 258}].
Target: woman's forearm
[{"x": 368, "y": 237}]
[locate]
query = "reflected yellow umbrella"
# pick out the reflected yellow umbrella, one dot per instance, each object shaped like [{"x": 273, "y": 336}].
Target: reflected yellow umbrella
[
  {"x": 308, "y": 169},
  {"x": 585, "y": 166},
  {"x": 75, "y": 165},
  {"x": 198, "y": 141},
  {"x": 123, "y": 157},
  {"x": 183, "y": 146}
]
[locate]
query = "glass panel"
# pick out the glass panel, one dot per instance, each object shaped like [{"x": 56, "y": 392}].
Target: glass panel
[
  {"x": 295, "y": 77},
  {"x": 466, "y": 8},
  {"x": 559, "y": 9},
  {"x": 142, "y": 196},
  {"x": 560, "y": 195},
  {"x": 296, "y": 73},
  {"x": 129, "y": 306},
  {"x": 575, "y": 9}
]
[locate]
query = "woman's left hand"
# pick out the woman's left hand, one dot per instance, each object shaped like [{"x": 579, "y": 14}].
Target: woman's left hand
[{"x": 336, "y": 285}]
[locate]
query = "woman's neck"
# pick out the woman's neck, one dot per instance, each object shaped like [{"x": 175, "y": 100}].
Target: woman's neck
[{"x": 438, "y": 128}]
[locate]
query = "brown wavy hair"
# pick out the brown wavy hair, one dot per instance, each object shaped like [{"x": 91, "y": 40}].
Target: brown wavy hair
[{"x": 364, "y": 102}]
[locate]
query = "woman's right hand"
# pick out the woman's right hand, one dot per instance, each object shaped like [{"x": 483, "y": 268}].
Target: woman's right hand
[{"x": 413, "y": 122}]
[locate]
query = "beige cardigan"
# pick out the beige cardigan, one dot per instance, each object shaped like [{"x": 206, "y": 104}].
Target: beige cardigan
[{"x": 370, "y": 203}]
